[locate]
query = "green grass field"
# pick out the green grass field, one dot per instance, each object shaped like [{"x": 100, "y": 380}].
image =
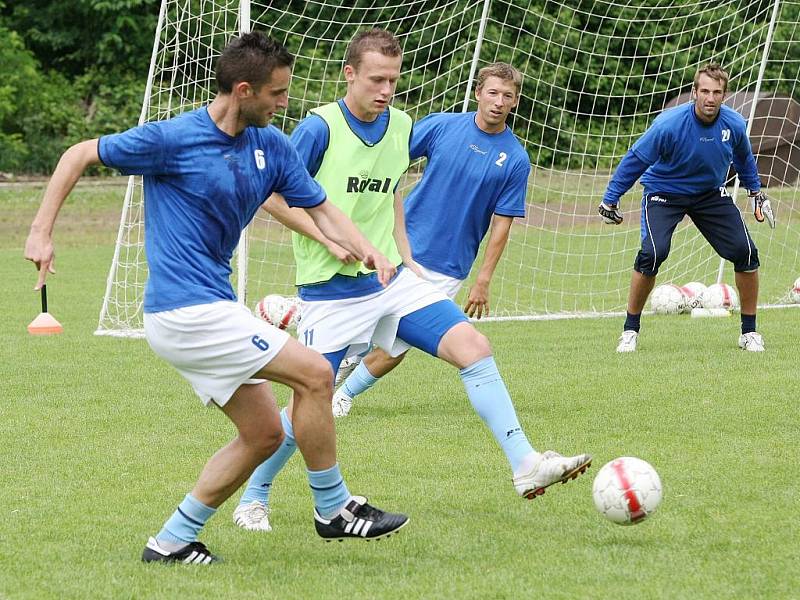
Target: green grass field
[{"x": 101, "y": 440}]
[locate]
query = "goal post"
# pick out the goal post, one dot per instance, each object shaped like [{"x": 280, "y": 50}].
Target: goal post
[{"x": 595, "y": 75}]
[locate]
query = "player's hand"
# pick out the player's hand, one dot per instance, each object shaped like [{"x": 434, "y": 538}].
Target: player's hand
[
  {"x": 414, "y": 266},
  {"x": 477, "y": 304},
  {"x": 385, "y": 269},
  {"x": 762, "y": 208},
  {"x": 610, "y": 213},
  {"x": 40, "y": 251},
  {"x": 342, "y": 254}
]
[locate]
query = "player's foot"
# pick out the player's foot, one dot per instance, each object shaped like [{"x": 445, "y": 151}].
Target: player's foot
[
  {"x": 347, "y": 366},
  {"x": 253, "y": 516},
  {"x": 359, "y": 520},
  {"x": 194, "y": 553},
  {"x": 549, "y": 468},
  {"x": 342, "y": 403},
  {"x": 752, "y": 342},
  {"x": 627, "y": 341}
]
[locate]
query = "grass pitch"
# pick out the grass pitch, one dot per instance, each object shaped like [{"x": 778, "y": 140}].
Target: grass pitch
[{"x": 101, "y": 440}]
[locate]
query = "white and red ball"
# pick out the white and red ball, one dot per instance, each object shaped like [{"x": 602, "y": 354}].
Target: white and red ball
[
  {"x": 627, "y": 490},
  {"x": 794, "y": 293},
  {"x": 667, "y": 299},
  {"x": 721, "y": 295},
  {"x": 693, "y": 291},
  {"x": 278, "y": 310}
]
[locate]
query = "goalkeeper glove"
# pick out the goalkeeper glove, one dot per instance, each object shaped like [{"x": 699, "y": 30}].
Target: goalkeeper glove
[
  {"x": 762, "y": 209},
  {"x": 610, "y": 213}
]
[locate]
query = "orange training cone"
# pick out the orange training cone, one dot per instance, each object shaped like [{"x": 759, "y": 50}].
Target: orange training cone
[{"x": 45, "y": 323}]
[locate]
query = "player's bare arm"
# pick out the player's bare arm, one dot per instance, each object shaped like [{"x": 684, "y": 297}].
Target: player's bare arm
[
  {"x": 336, "y": 226},
  {"x": 477, "y": 304},
  {"x": 39, "y": 247},
  {"x": 401, "y": 236},
  {"x": 299, "y": 220}
]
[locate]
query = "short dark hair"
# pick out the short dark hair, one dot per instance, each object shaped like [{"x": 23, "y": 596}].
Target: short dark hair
[
  {"x": 502, "y": 71},
  {"x": 715, "y": 71},
  {"x": 252, "y": 57},
  {"x": 371, "y": 40}
]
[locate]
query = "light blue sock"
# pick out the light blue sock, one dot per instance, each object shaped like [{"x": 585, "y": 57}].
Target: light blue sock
[
  {"x": 260, "y": 483},
  {"x": 186, "y": 522},
  {"x": 491, "y": 401},
  {"x": 360, "y": 381},
  {"x": 329, "y": 489}
]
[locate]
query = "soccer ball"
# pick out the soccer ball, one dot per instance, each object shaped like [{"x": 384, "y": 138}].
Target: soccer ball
[
  {"x": 794, "y": 293},
  {"x": 720, "y": 295},
  {"x": 694, "y": 294},
  {"x": 667, "y": 299},
  {"x": 627, "y": 490},
  {"x": 278, "y": 311}
]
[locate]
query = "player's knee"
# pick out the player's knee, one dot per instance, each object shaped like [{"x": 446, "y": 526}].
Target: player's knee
[
  {"x": 744, "y": 259},
  {"x": 464, "y": 345},
  {"x": 263, "y": 437},
  {"x": 268, "y": 442},
  {"x": 648, "y": 262},
  {"x": 317, "y": 379}
]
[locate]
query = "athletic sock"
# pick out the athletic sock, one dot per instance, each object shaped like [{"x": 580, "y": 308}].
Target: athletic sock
[
  {"x": 490, "y": 399},
  {"x": 748, "y": 323},
  {"x": 359, "y": 381},
  {"x": 258, "y": 487},
  {"x": 184, "y": 524},
  {"x": 329, "y": 490},
  {"x": 632, "y": 322}
]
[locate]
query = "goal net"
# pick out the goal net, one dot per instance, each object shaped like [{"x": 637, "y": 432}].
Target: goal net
[{"x": 596, "y": 73}]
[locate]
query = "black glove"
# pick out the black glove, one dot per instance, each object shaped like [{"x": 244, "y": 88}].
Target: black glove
[{"x": 610, "y": 214}]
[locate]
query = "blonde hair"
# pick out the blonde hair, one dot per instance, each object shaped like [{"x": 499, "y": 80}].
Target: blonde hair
[
  {"x": 371, "y": 40},
  {"x": 502, "y": 71}
]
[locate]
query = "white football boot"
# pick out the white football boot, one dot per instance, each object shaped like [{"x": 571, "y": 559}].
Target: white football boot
[
  {"x": 752, "y": 342},
  {"x": 627, "y": 341},
  {"x": 546, "y": 469},
  {"x": 342, "y": 403},
  {"x": 253, "y": 516},
  {"x": 347, "y": 366}
]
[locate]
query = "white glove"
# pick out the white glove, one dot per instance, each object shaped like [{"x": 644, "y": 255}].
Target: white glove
[{"x": 762, "y": 208}]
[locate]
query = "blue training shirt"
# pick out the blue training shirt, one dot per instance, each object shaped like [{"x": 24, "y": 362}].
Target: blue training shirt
[
  {"x": 201, "y": 188},
  {"x": 470, "y": 176},
  {"x": 679, "y": 154}
]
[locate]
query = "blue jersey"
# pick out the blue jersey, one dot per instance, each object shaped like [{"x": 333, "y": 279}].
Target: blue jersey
[
  {"x": 679, "y": 154},
  {"x": 201, "y": 188},
  {"x": 470, "y": 176},
  {"x": 311, "y": 136}
]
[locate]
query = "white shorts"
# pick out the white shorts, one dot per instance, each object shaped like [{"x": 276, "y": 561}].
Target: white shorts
[
  {"x": 449, "y": 285},
  {"x": 217, "y": 347},
  {"x": 330, "y": 325}
]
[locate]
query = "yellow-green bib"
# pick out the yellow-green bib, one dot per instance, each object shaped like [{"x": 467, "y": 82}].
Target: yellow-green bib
[{"x": 360, "y": 179}]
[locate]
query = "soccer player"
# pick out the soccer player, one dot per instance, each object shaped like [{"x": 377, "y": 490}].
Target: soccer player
[
  {"x": 206, "y": 173},
  {"x": 682, "y": 161},
  {"x": 475, "y": 158},
  {"x": 358, "y": 148}
]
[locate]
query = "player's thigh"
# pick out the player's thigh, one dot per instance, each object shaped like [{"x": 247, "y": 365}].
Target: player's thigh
[
  {"x": 299, "y": 368},
  {"x": 430, "y": 329},
  {"x": 217, "y": 347},
  {"x": 720, "y": 221},
  {"x": 660, "y": 216}
]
